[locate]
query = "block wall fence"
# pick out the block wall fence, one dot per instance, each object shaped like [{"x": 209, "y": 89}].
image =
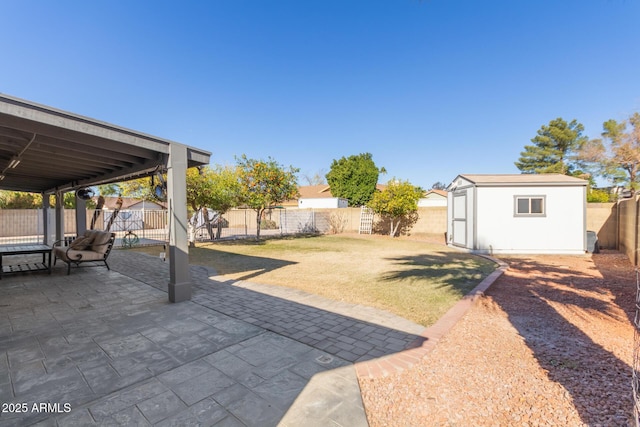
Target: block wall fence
[{"x": 617, "y": 224}]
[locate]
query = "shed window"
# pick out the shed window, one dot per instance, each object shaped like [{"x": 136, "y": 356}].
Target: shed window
[{"x": 530, "y": 205}]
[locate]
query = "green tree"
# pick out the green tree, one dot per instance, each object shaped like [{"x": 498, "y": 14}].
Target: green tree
[
  {"x": 218, "y": 189},
  {"x": 197, "y": 188},
  {"x": 225, "y": 191},
  {"x": 354, "y": 178},
  {"x": 265, "y": 184},
  {"x": 109, "y": 190},
  {"x": 398, "y": 202},
  {"x": 69, "y": 200},
  {"x": 198, "y": 184},
  {"x": 615, "y": 156},
  {"x": 553, "y": 148},
  {"x": 439, "y": 186},
  {"x": 22, "y": 200},
  {"x": 19, "y": 200},
  {"x": 596, "y": 195},
  {"x": 139, "y": 188}
]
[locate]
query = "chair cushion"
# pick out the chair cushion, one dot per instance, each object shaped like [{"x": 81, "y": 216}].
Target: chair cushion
[
  {"x": 92, "y": 233},
  {"x": 60, "y": 252},
  {"x": 99, "y": 242},
  {"x": 81, "y": 243},
  {"x": 74, "y": 255}
]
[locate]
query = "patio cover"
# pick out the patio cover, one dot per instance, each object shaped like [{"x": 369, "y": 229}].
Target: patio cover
[{"x": 49, "y": 151}]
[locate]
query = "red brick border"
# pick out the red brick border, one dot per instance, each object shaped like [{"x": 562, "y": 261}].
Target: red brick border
[{"x": 429, "y": 338}]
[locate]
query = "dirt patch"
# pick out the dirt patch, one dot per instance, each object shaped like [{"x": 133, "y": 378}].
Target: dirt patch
[{"x": 550, "y": 344}]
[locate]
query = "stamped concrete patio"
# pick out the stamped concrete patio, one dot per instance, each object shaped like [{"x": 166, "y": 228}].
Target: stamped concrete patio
[{"x": 107, "y": 348}]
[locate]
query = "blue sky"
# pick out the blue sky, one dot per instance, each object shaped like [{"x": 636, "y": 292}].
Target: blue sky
[{"x": 431, "y": 88}]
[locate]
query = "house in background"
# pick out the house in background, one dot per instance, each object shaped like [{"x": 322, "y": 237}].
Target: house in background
[
  {"x": 134, "y": 214},
  {"x": 131, "y": 203},
  {"x": 519, "y": 214},
  {"x": 319, "y": 196},
  {"x": 326, "y": 202},
  {"x": 433, "y": 198}
]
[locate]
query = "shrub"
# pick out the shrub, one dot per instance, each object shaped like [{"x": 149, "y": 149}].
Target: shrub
[
  {"x": 337, "y": 222},
  {"x": 598, "y": 196},
  {"x": 267, "y": 224}
]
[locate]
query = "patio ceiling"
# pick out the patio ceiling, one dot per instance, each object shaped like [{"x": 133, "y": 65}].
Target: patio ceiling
[{"x": 44, "y": 150}]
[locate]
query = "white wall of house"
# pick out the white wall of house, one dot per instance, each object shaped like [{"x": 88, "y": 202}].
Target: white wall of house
[
  {"x": 146, "y": 205},
  {"x": 323, "y": 203},
  {"x": 561, "y": 229},
  {"x": 432, "y": 200}
]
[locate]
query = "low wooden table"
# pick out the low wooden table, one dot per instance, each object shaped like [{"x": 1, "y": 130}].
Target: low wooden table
[{"x": 45, "y": 265}]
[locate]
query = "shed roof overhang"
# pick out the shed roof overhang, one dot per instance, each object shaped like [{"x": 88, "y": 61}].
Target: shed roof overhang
[
  {"x": 523, "y": 180},
  {"x": 45, "y": 150},
  {"x": 515, "y": 180}
]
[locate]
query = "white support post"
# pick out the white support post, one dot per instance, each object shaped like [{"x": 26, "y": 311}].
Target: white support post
[
  {"x": 59, "y": 215},
  {"x": 81, "y": 216},
  {"x": 46, "y": 233}
]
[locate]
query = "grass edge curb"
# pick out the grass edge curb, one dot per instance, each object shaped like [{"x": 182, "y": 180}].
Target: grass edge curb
[{"x": 431, "y": 335}]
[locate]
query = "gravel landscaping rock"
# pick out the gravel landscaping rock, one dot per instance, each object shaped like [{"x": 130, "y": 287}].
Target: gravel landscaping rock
[{"x": 550, "y": 344}]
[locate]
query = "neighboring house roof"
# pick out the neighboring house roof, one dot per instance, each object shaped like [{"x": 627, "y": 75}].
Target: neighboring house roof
[
  {"x": 522, "y": 179},
  {"x": 435, "y": 194},
  {"x": 127, "y": 202},
  {"x": 314, "y": 191},
  {"x": 433, "y": 198},
  {"x": 322, "y": 191}
]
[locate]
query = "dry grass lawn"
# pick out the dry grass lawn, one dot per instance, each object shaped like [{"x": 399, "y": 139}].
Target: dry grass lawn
[{"x": 419, "y": 281}]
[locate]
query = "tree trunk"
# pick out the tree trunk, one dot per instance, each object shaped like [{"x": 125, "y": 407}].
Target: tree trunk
[
  {"x": 258, "y": 220},
  {"x": 219, "y": 229},
  {"x": 395, "y": 230},
  {"x": 193, "y": 222},
  {"x": 207, "y": 222}
]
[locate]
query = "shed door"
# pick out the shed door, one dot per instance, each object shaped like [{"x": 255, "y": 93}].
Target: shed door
[{"x": 459, "y": 220}]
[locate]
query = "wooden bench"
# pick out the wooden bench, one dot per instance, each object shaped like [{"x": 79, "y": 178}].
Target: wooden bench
[{"x": 92, "y": 247}]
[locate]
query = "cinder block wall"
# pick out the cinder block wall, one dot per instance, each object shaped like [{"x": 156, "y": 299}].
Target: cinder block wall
[
  {"x": 602, "y": 218},
  {"x": 18, "y": 222},
  {"x": 628, "y": 228},
  {"x": 432, "y": 220},
  {"x": 27, "y": 222}
]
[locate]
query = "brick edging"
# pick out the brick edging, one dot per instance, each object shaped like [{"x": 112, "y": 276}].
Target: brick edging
[{"x": 420, "y": 347}]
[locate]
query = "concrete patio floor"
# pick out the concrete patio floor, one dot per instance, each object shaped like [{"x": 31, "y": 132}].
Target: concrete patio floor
[{"x": 107, "y": 348}]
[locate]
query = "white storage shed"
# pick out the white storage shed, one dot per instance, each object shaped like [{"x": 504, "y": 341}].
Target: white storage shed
[{"x": 519, "y": 214}]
